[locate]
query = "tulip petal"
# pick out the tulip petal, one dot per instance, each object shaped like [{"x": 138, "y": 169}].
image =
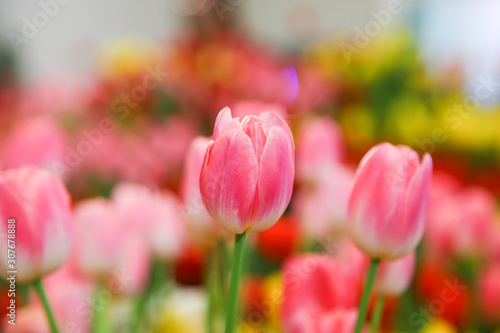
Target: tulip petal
[
  {"x": 223, "y": 118},
  {"x": 253, "y": 127},
  {"x": 274, "y": 119},
  {"x": 416, "y": 205},
  {"x": 275, "y": 182},
  {"x": 229, "y": 179}
]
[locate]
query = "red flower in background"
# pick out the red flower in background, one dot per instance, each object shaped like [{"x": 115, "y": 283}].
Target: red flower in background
[{"x": 280, "y": 241}]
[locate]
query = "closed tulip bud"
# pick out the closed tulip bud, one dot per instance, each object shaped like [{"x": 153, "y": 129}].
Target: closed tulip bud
[
  {"x": 247, "y": 174},
  {"x": 394, "y": 277},
  {"x": 40, "y": 205},
  {"x": 389, "y": 201}
]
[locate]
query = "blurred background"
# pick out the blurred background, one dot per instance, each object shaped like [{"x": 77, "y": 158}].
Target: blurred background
[{"x": 109, "y": 96}]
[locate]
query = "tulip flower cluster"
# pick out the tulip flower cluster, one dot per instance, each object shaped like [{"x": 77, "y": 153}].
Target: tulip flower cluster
[{"x": 232, "y": 197}]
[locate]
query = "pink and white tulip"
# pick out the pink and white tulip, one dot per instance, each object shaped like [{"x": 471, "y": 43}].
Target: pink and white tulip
[
  {"x": 247, "y": 175},
  {"x": 40, "y": 205},
  {"x": 394, "y": 277},
  {"x": 389, "y": 202}
]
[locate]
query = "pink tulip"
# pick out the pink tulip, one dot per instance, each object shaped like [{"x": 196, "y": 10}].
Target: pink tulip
[
  {"x": 394, "y": 277},
  {"x": 489, "y": 291},
  {"x": 318, "y": 293},
  {"x": 40, "y": 205},
  {"x": 320, "y": 143},
  {"x": 100, "y": 237},
  {"x": 202, "y": 228},
  {"x": 388, "y": 205},
  {"x": 247, "y": 175}
]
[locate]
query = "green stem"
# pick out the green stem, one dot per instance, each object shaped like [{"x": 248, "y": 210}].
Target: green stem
[
  {"x": 234, "y": 283},
  {"x": 363, "y": 306},
  {"x": 377, "y": 314},
  {"x": 157, "y": 276},
  {"x": 223, "y": 273},
  {"x": 41, "y": 293},
  {"x": 211, "y": 281},
  {"x": 98, "y": 324}
]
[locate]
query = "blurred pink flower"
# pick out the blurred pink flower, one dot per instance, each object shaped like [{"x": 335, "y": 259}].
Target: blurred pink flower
[
  {"x": 318, "y": 296},
  {"x": 68, "y": 295},
  {"x": 461, "y": 223},
  {"x": 320, "y": 143},
  {"x": 247, "y": 176},
  {"x": 338, "y": 321},
  {"x": 389, "y": 201},
  {"x": 40, "y": 205},
  {"x": 155, "y": 216},
  {"x": 322, "y": 205},
  {"x": 489, "y": 291},
  {"x": 394, "y": 277},
  {"x": 100, "y": 237},
  {"x": 36, "y": 141}
]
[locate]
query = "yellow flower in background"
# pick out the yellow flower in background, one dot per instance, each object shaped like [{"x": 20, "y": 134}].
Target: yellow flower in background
[
  {"x": 439, "y": 326},
  {"x": 273, "y": 291},
  {"x": 129, "y": 57},
  {"x": 265, "y": 313},
  {"x": 183, "y": 311},
  {"x": 410, "y": 120}
]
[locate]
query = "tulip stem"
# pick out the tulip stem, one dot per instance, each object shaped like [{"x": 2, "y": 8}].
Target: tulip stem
[
  {"x": 365, "y": 298},
  {"x": 48, "y": 311},
  {"x": 232, "y": 307},
  {"x": 377, "y": 314}
]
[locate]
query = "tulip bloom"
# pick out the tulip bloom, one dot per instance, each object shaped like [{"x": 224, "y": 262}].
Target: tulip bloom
[
  {"x": 247, "y": 175},
  {"x": 388, "y": 205},
  {"x": 394, "y": 277},
  {"x": 40, "y": 205}
]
